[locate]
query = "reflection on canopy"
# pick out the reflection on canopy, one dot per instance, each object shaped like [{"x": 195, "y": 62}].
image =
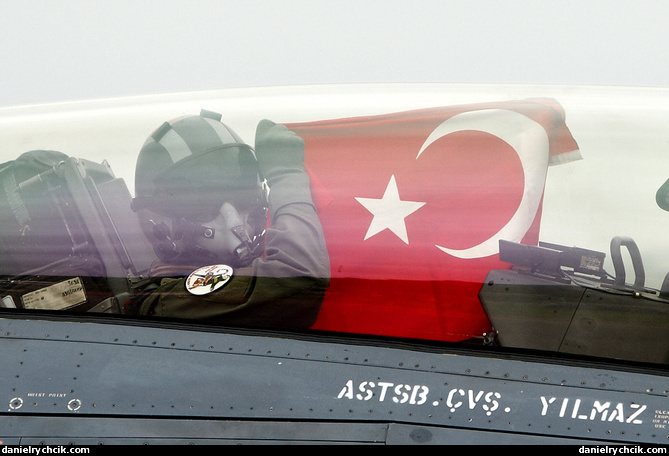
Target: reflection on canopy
[{"x": 432, "y": 220}]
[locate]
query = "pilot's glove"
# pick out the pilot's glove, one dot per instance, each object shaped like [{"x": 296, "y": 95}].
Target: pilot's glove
[
  {"x": 280, "y": 154},
  {"x": 278, "y": 149}
]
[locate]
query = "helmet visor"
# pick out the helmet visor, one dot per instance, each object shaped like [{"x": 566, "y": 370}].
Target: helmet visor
[{"x": 195, "y": 187}]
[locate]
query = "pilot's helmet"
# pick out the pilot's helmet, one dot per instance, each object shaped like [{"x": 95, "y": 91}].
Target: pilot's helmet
[{"x": 185, "y": 171}]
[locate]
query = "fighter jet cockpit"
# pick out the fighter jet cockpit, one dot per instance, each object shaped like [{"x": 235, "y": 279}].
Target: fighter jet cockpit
[
  {"x": 518, "y": 223},
  {"x": 560, "y": 298},
  {"x": 69, "y": 238}
]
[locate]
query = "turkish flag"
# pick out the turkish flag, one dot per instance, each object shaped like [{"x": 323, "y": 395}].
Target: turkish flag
[{"x": 413, "y": 206}]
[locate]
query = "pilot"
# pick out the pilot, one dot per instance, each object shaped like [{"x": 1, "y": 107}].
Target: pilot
[{"x": 236, "y": 232}]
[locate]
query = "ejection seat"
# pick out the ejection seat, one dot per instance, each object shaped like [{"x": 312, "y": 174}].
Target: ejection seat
[
  {"x": 560, "y": 299},
  {"x": 88, "y": 252}
]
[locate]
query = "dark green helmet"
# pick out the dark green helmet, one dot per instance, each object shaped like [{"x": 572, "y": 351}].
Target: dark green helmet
[{"x": 185, "y": 171}]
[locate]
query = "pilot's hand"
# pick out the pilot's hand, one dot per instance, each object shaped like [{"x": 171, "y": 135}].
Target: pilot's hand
[
  {"x": 280, "y": 154},
  {"x": 278, "y": 150}
]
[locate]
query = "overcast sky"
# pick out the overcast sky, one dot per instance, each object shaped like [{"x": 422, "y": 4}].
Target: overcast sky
[{"x": 80, "y": 49}]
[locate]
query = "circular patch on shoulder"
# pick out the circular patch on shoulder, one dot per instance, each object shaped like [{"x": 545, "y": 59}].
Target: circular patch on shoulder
[{"x": 208, "y": 279}]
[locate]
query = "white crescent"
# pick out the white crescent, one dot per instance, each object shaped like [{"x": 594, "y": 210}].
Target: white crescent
[{"x": 530, "y": 141}]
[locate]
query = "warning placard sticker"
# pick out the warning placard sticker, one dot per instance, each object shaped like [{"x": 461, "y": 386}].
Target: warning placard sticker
[{"x": 58, "y": 296}]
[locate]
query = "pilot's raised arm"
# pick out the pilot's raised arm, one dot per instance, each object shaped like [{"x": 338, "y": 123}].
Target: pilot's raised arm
[{"x": 203, "y": 198}]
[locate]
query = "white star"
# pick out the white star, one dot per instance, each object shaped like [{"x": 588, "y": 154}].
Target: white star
[{"x": 389, "y": 212}]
